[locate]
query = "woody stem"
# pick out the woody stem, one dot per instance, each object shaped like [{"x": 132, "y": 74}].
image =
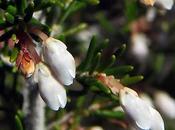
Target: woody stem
[{"x": 33, "y": 108}]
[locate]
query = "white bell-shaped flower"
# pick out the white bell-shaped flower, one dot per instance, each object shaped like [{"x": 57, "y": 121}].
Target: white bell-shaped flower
[
  {"x": 139, "y": 47},
  {"x": 151, "y": 14},
  {"x": 147, "y": 99},
  {"x": 165, "y": 103},
  {"x": 51, "y": 91},
  {"x": 167, "y": 4},
  {"x": 156, "y": 120},
  {"x": 144, "y": 116},
  {"x": 60, "y": 60}
]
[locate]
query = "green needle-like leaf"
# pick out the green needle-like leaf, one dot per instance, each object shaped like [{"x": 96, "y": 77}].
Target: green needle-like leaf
[
  {"x": 127, "y": 80},
  {"x": 21, "y": 6},
  {"x": 130, "y": 10},
  {"x": 92, "y": 82},
  {"x": 75, "y": 29},
  {"x": 158, "y": 63},
  {"x": 121, "y": 50},
  {"x": 74, "y": 6},
  {"x": 94, "y": 2},
  {"x": 29, "y": 12},
  {"x": 107, "y": 63},
  {"x": 119, "y": 71},
  {"x": 104, "y": 22},
  {"x": 18, "y": 123},
  {"x": 90, "y": 54},
  {"x": 95, "y": 63},
  {"x": 102, "y": 45},
  {"x": 14, "y": 55},
  {"x": 110, "y": 114}
]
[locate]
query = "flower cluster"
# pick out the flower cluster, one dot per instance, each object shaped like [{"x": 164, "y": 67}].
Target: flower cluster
[
  {"x": 51, "y": 66},
  {"x": 141, "y": 113}
]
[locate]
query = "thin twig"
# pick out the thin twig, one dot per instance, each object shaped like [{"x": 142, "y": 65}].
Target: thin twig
[
  {"x": 60, "y": 121},
  {"x": 33, "y": 109}
]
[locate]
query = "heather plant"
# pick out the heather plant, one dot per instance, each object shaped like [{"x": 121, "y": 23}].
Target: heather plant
[{"x": 80, "y": 65}]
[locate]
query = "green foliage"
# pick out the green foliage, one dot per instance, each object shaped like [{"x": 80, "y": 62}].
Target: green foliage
[
  {"x": 13, "y": 55},
  {"x": 18, "y": 123},
  {"x": 17, "y": 16},
  {"x": 110, "y": 114},
  {"x": 131, "y": 10}
]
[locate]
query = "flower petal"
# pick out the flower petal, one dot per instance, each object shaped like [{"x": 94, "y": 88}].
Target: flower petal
[
  {"x": 52, "y": 92},
  {"x": 157, "y": 121},
  {"x": 167, "y": 4},
  {"x": 55, "y": 43},
  {"x": 139, "y": 46},
  {"x": 60, "y": 60},
  {"x": 162, "y": 98},
  {"x": 136, "y": 108}
]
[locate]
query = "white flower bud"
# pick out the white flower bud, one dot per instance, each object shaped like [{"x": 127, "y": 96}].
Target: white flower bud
[
  {"x": 139, "y": 47},
  {"x": 51, "y": 91},
  {"x": 144, "y": 116},
  {"x": 156, "y": 120},
  {"x": 60, "y": 60},
  {"x": 167, "y": 4},
  {"x": 151, "y": 14},
  {"x": 147, "y": 99},
  {"x": 165, "y": 103}
]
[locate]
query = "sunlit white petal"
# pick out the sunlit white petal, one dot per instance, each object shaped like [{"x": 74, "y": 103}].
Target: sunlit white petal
[
  {"x": 165, "y": 103},
  {"x": 137, "y": 109},
  {"x": 139, "y": 47},
  {"x": 144, "y": 116},
  {"x": 151, "y": 14},
  {"x": 147, "y": 99},
  {"x": 167, "y": 4},
  {"x": 60, "y": 60},
  {"x": 157, "y": 122},
  {"x": 50, "y": 89}
]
